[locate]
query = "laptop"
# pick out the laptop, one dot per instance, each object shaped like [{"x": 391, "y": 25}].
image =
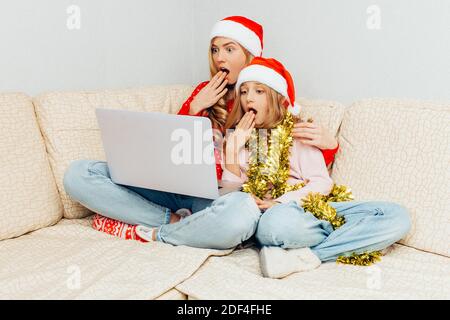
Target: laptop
[{"x": 159, "y": 151}]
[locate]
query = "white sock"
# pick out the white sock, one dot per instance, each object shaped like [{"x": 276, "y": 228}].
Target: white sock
[
  {"x": 183, "y": 213},
  {"x": 278, "y": 263},
  {"x": 145, "y": 233},
  {"x": 308, "y": 259}
]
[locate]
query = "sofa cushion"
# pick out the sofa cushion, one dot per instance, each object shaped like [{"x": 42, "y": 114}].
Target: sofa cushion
[
  {"x": 399, "y": 151},
  {"x": 70, "y": 128},
  {"x": 73, "y": 261},
  {"x": 172, "y": 294},
  {"x": 28, "y": 195},
  {"x": 404, "y": 273}
]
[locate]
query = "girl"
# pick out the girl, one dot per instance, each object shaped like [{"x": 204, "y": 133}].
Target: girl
[
  {"x": 234, "y": 41},
  {"x": 264, "y": 89}
]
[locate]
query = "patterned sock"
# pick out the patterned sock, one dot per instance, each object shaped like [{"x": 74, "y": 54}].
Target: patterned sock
[{"x": 116, "y": 228}]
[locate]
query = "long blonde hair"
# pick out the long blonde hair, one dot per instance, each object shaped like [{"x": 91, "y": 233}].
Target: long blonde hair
[
  {"x": 276, "y": 106},
  {"x": 218, "y": 113}
]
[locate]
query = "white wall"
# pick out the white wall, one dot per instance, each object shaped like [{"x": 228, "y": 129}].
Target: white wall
[
  {"x": 326, "y": 44},
  {"x": 119, "y": 44},
  {"x": 333, "y": 55}
]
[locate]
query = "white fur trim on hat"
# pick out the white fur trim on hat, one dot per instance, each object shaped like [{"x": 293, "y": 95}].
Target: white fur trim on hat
[
  {"x": 295, "y": 109},
  {"x": 265, "y": 76},
  {"x": 240, "y": 33}
]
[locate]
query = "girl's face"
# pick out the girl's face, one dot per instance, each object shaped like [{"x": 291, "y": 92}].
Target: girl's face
[
  {"x": 229, "y": 56},
  {"x": 254, "y": 98}
]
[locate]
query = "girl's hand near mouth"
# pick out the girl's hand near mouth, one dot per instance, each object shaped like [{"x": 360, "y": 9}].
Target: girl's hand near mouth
[
  {"x": 243, "y": 131},
  {"x": 236, "y": 140}
]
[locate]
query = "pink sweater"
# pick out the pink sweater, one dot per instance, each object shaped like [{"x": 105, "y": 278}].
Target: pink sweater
[{"x": 306, "y": 165}]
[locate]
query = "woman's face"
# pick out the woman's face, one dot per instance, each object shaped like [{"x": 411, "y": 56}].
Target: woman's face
[
  {"x": 229, "y": 56},
  {"x": 254, "y": 97}
]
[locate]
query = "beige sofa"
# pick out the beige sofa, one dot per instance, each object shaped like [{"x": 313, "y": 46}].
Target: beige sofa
[{"x": 390, "y": 150}]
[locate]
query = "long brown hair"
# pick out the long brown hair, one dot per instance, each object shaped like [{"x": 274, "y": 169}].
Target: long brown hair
[
  {"x": 276, "y": 106},
  {"x": 218, "y": 113}
]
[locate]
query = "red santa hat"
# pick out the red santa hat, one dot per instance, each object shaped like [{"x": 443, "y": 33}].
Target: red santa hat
[
  {"x": 246, "y": 32},
  {"x": 273, "y": 74}
]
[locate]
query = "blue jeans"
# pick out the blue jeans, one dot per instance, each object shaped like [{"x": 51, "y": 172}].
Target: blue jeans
[
  {"x": 369, "y": 226},
  {"x": 219, "y": 224}
]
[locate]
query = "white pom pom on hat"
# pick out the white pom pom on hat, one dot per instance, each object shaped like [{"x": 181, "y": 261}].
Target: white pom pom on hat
[{"x": 295, "y": 109}]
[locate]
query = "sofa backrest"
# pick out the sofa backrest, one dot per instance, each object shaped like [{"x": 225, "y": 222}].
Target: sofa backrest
[
  {"x": 399, "y": 150},
  {"x": 329, "y": 114},
  {"x": 70, "y": 129},
  {"x": 28, "y": 195}
]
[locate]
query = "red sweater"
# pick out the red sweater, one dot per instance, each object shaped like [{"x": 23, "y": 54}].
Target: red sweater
[{"x": 328, "y": 154}]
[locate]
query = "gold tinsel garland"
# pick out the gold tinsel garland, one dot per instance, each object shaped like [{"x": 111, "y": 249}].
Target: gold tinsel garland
[
  {"x": 268, "y": 172},
  {"x": 318, "y": 205},
  {"x": 363, "y": 259},
  {"x": 269, "y": 164}
]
